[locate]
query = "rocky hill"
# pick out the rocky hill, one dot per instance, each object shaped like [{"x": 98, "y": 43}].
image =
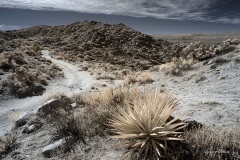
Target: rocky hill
[{"x": 98, "y": 42}]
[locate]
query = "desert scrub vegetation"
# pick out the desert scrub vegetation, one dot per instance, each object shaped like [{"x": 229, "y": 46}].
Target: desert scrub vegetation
[
  {"x": 177, "y": 65},
  {"x": 213, "y": 143},
  {"x": 69, "y": 127},
  {"x": 26, "y": 75},
  {"x": 13, "y": 116},
  {"x": 95, "y": 108},
  {"x": 142, "y": 78},
  {"x": 129, "y": 79},
  {"x": 141, "y": 118},
  {"x": 108, "y": 96},
  {"x": 8, "y": 142},
  {"x": 144, "y": 124}
]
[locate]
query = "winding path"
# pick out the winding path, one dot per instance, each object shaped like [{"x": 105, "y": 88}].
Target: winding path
[{"x": 74, "y": 81}]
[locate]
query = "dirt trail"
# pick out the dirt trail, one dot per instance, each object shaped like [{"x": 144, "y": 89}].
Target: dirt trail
[{"x": 74, "y": 81}]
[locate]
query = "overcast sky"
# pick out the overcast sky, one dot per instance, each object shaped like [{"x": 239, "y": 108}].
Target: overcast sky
[{"x": 147, "y": 16}]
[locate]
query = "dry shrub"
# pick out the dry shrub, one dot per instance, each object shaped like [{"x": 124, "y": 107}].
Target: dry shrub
[
  {"x": 145, "y": 77},
  {"x": 106, "y": 76},
  {"x": 143, "y": 123},
  {"x": 13, "y": 116},
  {"x": 176, "y": 66},
  {"x": 237, "y": 60},
  {"x": 8, "y": 142},
  {"x": 220, "y": 60},
  {"x": 123, "y": 95},
  {"x": 53, "y": 95},
  {"x": 129, "y": 79},
  {"x": 70, "y": 128},
  {"x": 30, "y": 52},
  {"x": 26, "y": 76},
  {"x": 99, "y": 107},
  {"x": 108, "y": 96},
  {"x": 199, "y": 77},
  {"x": 92, "y": 99},
  {"x": 36, "y": 47},
  {"x": 212, "y": 143}
]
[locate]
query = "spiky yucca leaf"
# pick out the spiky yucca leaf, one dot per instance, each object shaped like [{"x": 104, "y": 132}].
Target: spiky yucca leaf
[{"x": 144, "y": 123}]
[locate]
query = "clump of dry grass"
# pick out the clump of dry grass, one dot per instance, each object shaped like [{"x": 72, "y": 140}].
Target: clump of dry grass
[
  {"x": 143, "y": 123},
  {"x": 99, "y": 107},
  {"x": 8, "y": 142},
  {"x": 25, "y": 76},
  {"x": 106, "y": 76},
  {"x": 129, "y": 79},
  {"x": 176, "y": 66},
  {"x": 53, "y": 95},
  {"x": 102, "y": 97},
  {"x": 13, "y": 116},
  {"x": 70, "y": 128},
  {"x": 145, "y": 77},
  {"x": 212, "y": 143},
  {"x": 107, "y": 96}
]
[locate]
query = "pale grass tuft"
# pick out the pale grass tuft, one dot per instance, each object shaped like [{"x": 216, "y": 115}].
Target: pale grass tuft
[
  {"x": 129, "y": 79},
  {"x": 145, "y": 77},
  {"x": 213, "y": 143},
  {"x": 53, "y": 95},
  {"x": 108, "y": 96},
  {"x": 8, "y": 142},
  {"x": 176, "y": 66},
  {"x": 104, "y": 97},
  {"x": 13, "y": 116},
  {"x": 143, "y": 122}
]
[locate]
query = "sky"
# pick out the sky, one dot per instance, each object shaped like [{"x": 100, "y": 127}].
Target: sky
[{"x": 146, "y": 16}]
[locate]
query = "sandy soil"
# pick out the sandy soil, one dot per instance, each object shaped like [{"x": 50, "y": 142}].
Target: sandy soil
[
  {"x": 214, "y": 100},
  {"x": 75, "y": 81}
]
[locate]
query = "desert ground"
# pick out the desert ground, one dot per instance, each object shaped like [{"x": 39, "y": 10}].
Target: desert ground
[
  {"x": 87, "y": 70},
  {"x": 208, "y": 39}
]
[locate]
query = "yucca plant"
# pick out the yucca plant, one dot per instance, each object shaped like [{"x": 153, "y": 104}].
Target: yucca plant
[{"x": 145, "y": 124}]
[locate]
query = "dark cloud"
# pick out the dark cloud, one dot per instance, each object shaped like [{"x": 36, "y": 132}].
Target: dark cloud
[{"x": 226, "y": 11}]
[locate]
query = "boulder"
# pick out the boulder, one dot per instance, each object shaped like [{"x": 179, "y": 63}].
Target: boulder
[
  {"x": 30, "y": 129},
  {"x": 50, "y": 149},
  {"x": 74, "y": 105},
  {"x": 22, "y": 119},
  {"x": 55, "y": 104}
]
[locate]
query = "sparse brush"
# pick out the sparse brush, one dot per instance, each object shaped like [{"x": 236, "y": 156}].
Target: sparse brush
[
  {"x": 144, "y": 124},
  {"x": 28, "y": 77},
  {"x": 69, "y": 127},
  {"x": 220, "y": 60},
  {"x": 99, "y": 107},
  {"x": 13, "y": 116},
  {"x": 103, "y": 97},
  {"x": 212, "y": 143},
  {"x": 8, "y": 142},
  {"x": 145, "y": 77},
  {"x": 53, "y": 95},
  {"x": 125, "y": 94},
  {"x": 36, "y": 47},
  {"x": 106, "y": 76},
  {"x": 176, "y": 66},
  {"x": 108, "y": 96},
  {"x": 128, "y": 79}
]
